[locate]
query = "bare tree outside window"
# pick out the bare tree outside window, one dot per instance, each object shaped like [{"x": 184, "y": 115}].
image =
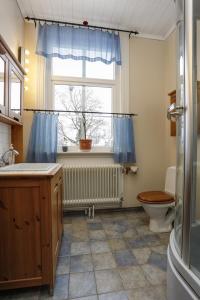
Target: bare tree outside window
[
  {"x": 72, "y": 126},
  {"x": 93, "y": 89}
]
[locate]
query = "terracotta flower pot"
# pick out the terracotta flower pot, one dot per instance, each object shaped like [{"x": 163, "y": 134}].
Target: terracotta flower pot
[{"x": 85, "y": 144}]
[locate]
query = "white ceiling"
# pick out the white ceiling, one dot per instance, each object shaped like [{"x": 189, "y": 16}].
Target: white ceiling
[{"x": 152, "y": 18}]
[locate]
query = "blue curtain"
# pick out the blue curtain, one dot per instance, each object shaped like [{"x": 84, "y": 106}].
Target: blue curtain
[
  {"x": 123, "y": 140},
  {"x": 78, "y": 43},
  {"x": 43, "y": 138}
]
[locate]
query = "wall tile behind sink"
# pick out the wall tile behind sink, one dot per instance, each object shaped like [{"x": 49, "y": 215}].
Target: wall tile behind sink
[{"x": 5, "y": 137}]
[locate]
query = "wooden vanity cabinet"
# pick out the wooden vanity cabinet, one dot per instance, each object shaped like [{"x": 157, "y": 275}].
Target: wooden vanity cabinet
[{"x": 30, "y": 229}]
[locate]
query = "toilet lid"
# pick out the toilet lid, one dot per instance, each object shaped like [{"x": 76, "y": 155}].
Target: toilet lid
[{"x": 155, "y": 197}]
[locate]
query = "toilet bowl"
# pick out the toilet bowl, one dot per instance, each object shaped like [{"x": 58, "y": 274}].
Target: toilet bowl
[{"x": 159, "y": 205}]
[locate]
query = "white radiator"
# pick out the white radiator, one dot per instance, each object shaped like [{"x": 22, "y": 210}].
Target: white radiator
[{"x": 86, "y": 186}]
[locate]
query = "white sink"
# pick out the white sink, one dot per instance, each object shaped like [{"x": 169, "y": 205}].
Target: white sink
[{"x": 36, "y": 167}]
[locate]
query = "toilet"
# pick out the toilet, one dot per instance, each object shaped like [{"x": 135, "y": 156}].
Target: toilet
[{"x": 157, "y": 204}]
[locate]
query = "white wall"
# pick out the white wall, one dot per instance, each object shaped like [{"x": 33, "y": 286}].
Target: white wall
[
  {"x": 12, "y": 30},
  {"x": 147, "y": 94},
  {"x": 11, "y": 24},
  {"x": 152, "y": 77}
]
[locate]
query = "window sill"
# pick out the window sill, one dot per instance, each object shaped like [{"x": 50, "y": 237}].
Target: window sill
[{"x": 85, "y": 153}]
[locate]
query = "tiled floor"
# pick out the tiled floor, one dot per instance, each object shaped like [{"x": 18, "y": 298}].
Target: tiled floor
[{"x": 113, "y": 257}]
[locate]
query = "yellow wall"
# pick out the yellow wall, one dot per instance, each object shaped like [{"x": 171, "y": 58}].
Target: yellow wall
[
  {"x": 30, "y": 96},
  {"x": 152, "y": 77},
  {"x": 146, "y": 94},
  {"x": 170, "y": 85},
  {"x": 11, "y": 24}
]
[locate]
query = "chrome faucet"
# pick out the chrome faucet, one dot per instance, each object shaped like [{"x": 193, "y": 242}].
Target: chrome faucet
[{"x": 8, "y": 157}]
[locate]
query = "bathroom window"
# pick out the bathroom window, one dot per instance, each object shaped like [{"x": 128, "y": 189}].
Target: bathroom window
[{"x": 84, "y": 86}]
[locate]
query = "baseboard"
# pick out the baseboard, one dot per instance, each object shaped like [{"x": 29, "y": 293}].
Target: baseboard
[{"x": 104, "y": 210}]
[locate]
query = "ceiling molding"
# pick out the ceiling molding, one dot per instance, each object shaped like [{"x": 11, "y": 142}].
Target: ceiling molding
[
  {"x": 172, "y": 29},
  {"x": 150, "y": 36}
]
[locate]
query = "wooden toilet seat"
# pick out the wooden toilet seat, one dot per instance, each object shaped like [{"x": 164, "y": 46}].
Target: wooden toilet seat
[{"x": 155, "y": 197}]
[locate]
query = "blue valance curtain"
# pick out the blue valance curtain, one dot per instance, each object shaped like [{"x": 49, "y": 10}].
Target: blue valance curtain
[
  {"x": 123, "y": 140},
  {"x": 78, "y": 43},
  {"x": 42, "y": 146}
]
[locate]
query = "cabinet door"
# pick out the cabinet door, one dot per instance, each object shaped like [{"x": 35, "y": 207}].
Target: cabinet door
[
  {"x": 20, "y": 232},
  {"x": 3, "y": 84},
  {"x": 15, "y": 93}
]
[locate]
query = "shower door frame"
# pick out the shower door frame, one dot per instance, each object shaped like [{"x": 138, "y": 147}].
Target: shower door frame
[
  {"x": 189, "y": 130},
  {"x": 181, "y": 260}
]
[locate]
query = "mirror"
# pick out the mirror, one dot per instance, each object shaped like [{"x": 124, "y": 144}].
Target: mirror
[
  {"x": 11, "y": 86},
  {"x": 15, "y": 92},
  {"x": 2, "y": 82}
]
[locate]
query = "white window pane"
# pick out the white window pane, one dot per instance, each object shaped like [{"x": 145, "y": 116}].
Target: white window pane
[
  {"x": 68, "y": 98},
  {"x": 99, "y": 70},
  {"x": 66, "y": 67},
  {"x": 100, "y": 126}
]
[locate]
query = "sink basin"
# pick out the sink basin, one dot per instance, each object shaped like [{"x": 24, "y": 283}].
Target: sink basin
[{"x": 36, "y": 167}]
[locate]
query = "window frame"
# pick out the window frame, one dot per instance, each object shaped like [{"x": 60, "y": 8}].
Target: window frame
[{"x": 52, "y": 80}]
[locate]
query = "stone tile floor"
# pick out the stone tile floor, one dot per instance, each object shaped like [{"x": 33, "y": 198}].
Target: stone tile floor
[{"x": 113, "y": 257}]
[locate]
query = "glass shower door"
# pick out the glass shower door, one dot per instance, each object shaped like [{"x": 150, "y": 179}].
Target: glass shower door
[
  {"x": 176, "y": 113},
  {"x": 184, "y": 247},
  {"x": 195, "y": 208}
]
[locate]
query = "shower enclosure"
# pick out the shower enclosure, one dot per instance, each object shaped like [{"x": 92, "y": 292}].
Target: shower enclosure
[{"x": 183, "y": 275}]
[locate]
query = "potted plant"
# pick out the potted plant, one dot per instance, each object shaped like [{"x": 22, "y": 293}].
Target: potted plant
[
  {"x": 84, "y": 143},
  {"x": 64, "y": 146}
]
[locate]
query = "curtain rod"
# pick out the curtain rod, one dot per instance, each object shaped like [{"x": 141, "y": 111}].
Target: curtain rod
[
  {"x": 79, "y": 112},
  {"x": 81, "y": 25}
]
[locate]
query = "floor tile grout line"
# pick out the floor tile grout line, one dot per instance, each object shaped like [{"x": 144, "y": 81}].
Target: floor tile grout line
[
  {"x": 69, "y": 270},
  {"x": 162, "y": 242},
  {"x": 93, "y": 268}
]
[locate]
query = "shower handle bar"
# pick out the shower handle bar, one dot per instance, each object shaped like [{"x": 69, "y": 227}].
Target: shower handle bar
[{"x": 174, "y": 111}]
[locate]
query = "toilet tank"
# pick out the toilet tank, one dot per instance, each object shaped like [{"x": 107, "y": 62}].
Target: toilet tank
[{"x": 170, "y": 180}]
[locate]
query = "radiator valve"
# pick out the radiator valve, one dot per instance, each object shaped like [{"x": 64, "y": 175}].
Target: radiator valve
[{"x": 130, "y": 170}]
